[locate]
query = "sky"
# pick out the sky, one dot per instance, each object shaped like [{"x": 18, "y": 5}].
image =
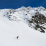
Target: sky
[{"x": 14, "y": 4}]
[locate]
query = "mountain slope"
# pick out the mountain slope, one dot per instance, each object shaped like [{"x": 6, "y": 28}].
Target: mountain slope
[{"x": 10, "y": 29}]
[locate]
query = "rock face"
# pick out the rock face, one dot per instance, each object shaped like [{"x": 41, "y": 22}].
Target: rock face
[{"x": 38, "y": 19}]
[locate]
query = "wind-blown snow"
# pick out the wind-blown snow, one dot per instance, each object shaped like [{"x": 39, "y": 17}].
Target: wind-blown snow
[{"x": 9, "y": 29}]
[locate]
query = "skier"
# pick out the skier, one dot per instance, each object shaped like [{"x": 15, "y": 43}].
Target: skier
[{"x": 17, "y": 37}]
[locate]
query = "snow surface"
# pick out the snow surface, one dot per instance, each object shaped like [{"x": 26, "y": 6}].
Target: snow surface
[{"x": 9, "y": 30}]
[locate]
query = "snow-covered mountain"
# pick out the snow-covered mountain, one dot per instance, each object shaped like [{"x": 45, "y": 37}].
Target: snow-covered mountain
[{"x": 15, "y": 22}]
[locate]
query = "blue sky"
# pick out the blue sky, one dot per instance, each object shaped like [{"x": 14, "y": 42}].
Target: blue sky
[{"x": 19, "y": 3}]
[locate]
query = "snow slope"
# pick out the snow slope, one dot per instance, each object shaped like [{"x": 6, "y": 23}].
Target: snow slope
[{"x": 9, "y": 30}]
